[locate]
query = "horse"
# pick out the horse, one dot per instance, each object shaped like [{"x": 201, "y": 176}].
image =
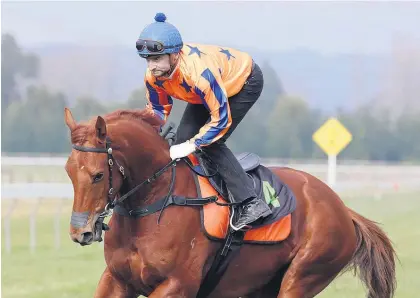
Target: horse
[{"x": 166, "y": 254}]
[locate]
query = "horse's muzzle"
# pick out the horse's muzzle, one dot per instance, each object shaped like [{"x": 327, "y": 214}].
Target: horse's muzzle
[{"x": 83, "y": 231}]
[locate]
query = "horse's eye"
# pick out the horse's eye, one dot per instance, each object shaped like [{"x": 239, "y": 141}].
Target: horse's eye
[{"x": 98, "y": 177}]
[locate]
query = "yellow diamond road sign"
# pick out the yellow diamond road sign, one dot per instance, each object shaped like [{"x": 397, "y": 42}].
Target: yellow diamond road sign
[{"x": 332, "y": 137}]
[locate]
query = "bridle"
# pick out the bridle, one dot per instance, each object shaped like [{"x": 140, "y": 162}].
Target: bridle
[
  {"x": 112, "y": 198},
  {"x": 111, "y": 160},
  {"x": 159, "y": 205}
]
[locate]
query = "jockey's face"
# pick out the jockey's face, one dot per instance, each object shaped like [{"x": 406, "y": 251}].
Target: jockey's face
[{"x": 161, "y": 65}]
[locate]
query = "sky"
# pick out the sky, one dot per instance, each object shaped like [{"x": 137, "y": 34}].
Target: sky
[{"x": 327, "y": 27}]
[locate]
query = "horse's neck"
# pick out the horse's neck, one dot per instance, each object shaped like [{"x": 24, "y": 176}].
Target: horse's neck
[
  {"x": 143, "y": 156},
  {"x": 177, "y": 224}
]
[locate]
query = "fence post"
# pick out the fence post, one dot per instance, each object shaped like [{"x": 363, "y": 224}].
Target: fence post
[
  {"x": 32, "y": 226},
  {"x": 8, "y": 226},
  {"x": 57, "y": 230},
  {"x": 10, "y": 175}
]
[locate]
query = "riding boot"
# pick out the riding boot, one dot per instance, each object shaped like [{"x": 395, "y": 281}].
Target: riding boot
[
  {"x": 241, "y": 187},
  {"x": 248, "y": 213}
]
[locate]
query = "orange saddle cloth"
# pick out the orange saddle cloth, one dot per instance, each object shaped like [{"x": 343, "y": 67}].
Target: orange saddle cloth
[{"x": 215, "y": 219}]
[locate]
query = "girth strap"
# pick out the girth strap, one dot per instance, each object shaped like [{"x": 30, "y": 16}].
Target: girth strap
[
  {"x": 162, "y": 204},
  {"x": 231, "y": 246}
]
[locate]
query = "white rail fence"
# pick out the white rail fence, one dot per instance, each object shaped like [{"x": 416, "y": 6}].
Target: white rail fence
[
  {"x": 30, "y": 179},
  {"x": 32, "y": 220}
]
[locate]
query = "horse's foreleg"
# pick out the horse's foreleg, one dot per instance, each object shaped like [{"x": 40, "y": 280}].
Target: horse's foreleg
[
  {"x": 109, "y": 286},
  {"x": 172, "y": 288}
]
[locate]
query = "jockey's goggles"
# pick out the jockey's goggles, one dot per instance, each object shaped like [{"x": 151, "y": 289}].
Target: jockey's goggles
[{"x": 151, "y": 46}]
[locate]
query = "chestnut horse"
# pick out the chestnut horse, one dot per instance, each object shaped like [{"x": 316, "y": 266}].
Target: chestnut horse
[{"x": 170, "y": 257}]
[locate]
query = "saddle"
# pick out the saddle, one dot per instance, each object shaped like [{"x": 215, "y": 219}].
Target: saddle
[{"x": 267, "y": 185}]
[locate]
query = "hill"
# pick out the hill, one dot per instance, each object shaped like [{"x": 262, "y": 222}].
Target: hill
[{"x": 111, "y": 73}]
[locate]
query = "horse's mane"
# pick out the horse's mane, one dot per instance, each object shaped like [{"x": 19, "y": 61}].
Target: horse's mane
[{"x": 144, "y": 116}]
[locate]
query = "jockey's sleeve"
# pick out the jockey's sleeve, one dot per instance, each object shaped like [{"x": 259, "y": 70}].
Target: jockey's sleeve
[
  {"x": 158, "y": 101},
  {"x": 213, "y": 94}
]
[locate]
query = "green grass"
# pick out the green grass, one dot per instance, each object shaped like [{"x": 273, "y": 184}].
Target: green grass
[
  {"x": 70, "y": 271},
  {"x": 398, "y": 215},
  {"x": 73, "y": 271}
]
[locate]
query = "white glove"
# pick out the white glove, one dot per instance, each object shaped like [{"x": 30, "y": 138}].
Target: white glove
[{"x": 181, "y": 150}]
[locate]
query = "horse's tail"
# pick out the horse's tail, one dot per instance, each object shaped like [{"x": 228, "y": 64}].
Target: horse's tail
[{"x": 373, "y": 259}]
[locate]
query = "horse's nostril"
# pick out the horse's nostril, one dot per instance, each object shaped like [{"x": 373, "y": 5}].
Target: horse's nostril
[{"x": 87, "y": 237}]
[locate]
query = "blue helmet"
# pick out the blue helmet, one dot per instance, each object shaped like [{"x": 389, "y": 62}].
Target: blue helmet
[{"x": 159, "y": 38}]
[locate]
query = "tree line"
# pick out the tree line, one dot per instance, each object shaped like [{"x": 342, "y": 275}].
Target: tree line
[{"x": 278, "y": 126}]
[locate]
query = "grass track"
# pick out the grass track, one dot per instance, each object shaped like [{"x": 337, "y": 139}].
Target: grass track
[{"x": 73, "y": 271}]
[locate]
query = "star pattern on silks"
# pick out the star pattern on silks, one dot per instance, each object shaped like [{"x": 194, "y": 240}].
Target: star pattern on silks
[
  {"x": 227, "y": 53},
  {"x": 186, "y": 86},
  {"x": 159, "y": 83},
  {"x": 195, "y": 50},
  {"x": 199, "y": 92}
]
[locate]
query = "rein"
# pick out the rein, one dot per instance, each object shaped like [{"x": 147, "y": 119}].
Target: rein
[{"x": 114, "y": 202}]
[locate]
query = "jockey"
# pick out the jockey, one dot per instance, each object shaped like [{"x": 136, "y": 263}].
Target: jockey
[{"x": 220, "y": 85}]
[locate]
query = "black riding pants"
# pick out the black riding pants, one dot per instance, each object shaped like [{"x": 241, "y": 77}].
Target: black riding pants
[{"x": 195, "y": 116}]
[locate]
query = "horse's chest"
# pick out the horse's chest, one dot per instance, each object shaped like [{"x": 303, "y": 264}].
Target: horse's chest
[
  {"x": 123, "y": 262},
  {"x": 132, "y": 268}
]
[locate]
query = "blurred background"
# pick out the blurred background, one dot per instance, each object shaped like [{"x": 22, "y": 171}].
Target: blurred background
[{"x": 356, "y": 61}]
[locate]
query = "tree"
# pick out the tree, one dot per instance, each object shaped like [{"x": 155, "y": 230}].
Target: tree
[
  {"x": 408, "y": 136},
  {"x": 290, "y": 129},
  {"x": 36, "y": 124},
  {"x": 87, "y": 107},
  {"x": 251, "y": 132},
  {"x": 273, "y": 86},
  {"x": 373, "y": 135},
  {"x": 272, "y": 91},
  {"x": 254, "y": 127},
  {"x": 15, "y": 65}
]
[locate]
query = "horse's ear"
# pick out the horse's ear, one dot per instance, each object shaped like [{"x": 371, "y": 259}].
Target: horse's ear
[
  {"x": 100, "y": 128},
  {"x": 68, "y": 117}
]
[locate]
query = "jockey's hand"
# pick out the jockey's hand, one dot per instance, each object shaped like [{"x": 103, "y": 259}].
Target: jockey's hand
[{"x": 181, "y": 150}]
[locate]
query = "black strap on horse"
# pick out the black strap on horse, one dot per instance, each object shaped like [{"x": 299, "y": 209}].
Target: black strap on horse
[
  {"x": 161, "y": 204},
  {"x": 232, "y": 243},
  {"x": 224, "y": 255}
]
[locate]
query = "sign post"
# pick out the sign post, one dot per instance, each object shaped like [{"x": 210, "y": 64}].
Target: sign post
[
  {"x": 332, "y": 137},
  {"x": 332, "y": 170}
]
